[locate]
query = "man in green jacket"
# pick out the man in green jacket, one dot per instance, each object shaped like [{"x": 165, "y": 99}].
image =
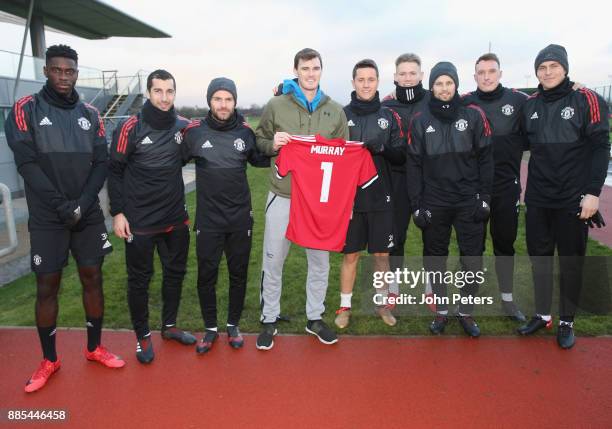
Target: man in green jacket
[{"x": 302, "y": 109}]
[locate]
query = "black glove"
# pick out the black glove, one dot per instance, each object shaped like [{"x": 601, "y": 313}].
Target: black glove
[
  {"x": 69, "y": 213},
  {"x": 375, "y": 147},
  {"x": 596, "y": 220},
  {"x": 421, "y": 218},
  {"x": 482, "y": 208}
]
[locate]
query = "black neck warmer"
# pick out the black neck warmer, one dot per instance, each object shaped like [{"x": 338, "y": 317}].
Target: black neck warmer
[
  {"x": 231, "y": 123},
  {"x": 56, "y": 99},
  {"x": 496, "y": 94},
  {"x": 156, "y": 118},
  {"x": 558, "y": 92},
  {"x": 361, "y": 107},
  {"x": 446, "y": 111},
  {"x": 409, "y": 94}
]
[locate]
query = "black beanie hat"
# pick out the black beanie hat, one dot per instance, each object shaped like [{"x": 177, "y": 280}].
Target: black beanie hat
[
  {"x": 443, "y": 68},
  {"x": 221, "y": 83},
  {"x": 553, "y": 53}
]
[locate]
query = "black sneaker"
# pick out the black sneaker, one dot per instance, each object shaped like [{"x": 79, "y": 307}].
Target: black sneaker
[
  {"x": 511, "y": 310},
  {"x": 179, "y": 335},
  {"x": 535, "y": 324},
  {"x": 439, "y": 323},
  {"x": 319, "y": 329},
  {"x": 265, "y": 340},
  {"x": 469, "y": 325},
  {"x": 565, "y": 336},
  {"x": 234, "y": 337},
  {"x": 144, "y": 350},
  {"x": 206, "y": 344}
]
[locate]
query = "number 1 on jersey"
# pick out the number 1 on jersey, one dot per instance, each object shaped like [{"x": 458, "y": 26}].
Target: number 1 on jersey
[{"x": 327, "y": 173}]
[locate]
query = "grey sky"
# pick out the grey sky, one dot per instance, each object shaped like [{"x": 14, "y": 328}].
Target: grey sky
[{"x": 253, "y": 42}]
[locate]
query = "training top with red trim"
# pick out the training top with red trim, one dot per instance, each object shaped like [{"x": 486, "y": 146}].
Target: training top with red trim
[
  {"x": 145, "y": 180},
  {"x": 503, "y": 112},
  {"x": 61, "y": 154},
  {"x": 325, "y": 174},
  {"x": 449, "y": 163},
  {"x": 382, "y": 135},
  {"x": 570, "y": 147}
]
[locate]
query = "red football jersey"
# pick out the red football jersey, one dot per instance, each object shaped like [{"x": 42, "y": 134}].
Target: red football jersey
[{"x": 325, "y": 174}]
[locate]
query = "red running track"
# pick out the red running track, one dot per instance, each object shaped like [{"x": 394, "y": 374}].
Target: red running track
[{"x": 360, "y": 382}]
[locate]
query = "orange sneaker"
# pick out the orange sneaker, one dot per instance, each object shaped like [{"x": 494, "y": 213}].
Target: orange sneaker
[
  {"x": 42, "y": 374},
  {"x": 105, "y": 357}
]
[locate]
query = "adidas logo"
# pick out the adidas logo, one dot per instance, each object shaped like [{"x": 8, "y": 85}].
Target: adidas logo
[
  {"x": 89, "y": 324},
  {"x": 107, "y": 245},
  {"x": 534, "y": 116},
  {"x": 351, "y": 123},
  {"x": 146, "y": 140},
  {"x": 430, "y": 129},
  {"x": 45, "y": 121},
  {"x": 207, "y": 144}
]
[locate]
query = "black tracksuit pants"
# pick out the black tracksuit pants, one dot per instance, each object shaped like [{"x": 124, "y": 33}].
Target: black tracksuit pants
[
  {"x": 503, "y": 225},
  {"x": 173, "y": 248},
  {"x": 436, "y": 238},
  {"x": 210, "y": 245},
  {"x": 401, "y": 218},
  {"x": 546, "y": 229}
]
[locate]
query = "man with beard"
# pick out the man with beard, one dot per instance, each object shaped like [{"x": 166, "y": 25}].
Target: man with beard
[
  {"x": 222, "y": 144},
  {"x": 503, "y": 109},
  {"x": 449, "y": 178},
  {"x": 147, "y": 201},
  {"x": 60, "y": 151},
  {"x": 371, "y": 222},
  {"x": 568, "y": 134}
]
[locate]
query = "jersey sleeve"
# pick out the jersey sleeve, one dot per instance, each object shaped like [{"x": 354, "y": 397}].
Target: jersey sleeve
[
  {"x": 414, "y": 162},
  {"x": 367, "y": 172},
  {"x": 99, "y": 165},
  {"x": 395, "y": 153},
  {"x": 483, "y": 150},
  {"x": 19, "y": 138},
  {"x": 121, "y": 148},
  {"x": 254, "y": 156},
  {"x": 283, "y": 161},
  {"x": 597, "y": 131},
  {"x": 190, "y": 137}
]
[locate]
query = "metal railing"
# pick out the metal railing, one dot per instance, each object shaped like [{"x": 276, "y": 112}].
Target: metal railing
[
  {"x": 109, "y": 85},
  {"x": 32, "y": 69},
  {"x": 134, "y": 86},
  {"x": 10, "y": 220}
]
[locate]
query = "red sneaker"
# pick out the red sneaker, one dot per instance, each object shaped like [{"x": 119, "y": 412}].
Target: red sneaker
[
  {"x": 42, "y": 374},
  {"x": 105, "y": 357}
]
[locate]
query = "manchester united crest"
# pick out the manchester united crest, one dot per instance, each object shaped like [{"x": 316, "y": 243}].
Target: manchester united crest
[
  {"x": 239, "y": 145},
  {"x": 461, "y": 125},
  {"x": 507, "y": 109},
  {"x": 567, "y": 112}
]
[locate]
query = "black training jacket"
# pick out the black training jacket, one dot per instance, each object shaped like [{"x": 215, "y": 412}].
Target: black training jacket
[
  {"x": 405, "y": 111},
  {"x": 449, "y": 163},
  {"x": 569, "y": 143},
  {"x": 61, "y": 154},
  {"x": 503, "y": 114},
  {"x": 145, "y": 181},
  {"x": 382, "y": 134},
  {"x": 223, "y": 195}
]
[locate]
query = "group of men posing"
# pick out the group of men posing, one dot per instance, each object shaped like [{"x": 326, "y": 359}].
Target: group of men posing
[{"x": 444, "y": 160}]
